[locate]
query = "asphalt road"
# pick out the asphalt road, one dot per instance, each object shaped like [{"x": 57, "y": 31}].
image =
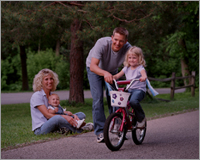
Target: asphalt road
[
  {"x": 24, "y": 97},
  {"x": 173, "y": 137}
]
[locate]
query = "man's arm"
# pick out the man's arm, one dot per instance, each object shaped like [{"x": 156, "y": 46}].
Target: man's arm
[{"x": 96, "y": 69}]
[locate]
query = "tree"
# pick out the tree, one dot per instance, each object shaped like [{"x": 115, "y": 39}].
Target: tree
[
  {"x": 184, "y": 42},
  {"x": 15, "y": 29}
]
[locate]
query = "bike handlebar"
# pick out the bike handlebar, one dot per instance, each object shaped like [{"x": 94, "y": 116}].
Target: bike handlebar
[{"x": 130, "y": 82}]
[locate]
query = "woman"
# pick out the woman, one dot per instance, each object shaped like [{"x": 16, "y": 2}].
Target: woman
[{"x": 44, "y": 122}]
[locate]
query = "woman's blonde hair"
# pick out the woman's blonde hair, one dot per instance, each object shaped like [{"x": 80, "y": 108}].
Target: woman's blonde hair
[
  {"x": 37, "y": 81},
  {"x": 137, "y": 51}
]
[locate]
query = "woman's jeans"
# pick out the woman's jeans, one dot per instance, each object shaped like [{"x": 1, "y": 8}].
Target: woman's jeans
[
  {"x": 57, "y": 122},
  {"x": 96, "y": 87},
  {"x": 136, "y": 96}
]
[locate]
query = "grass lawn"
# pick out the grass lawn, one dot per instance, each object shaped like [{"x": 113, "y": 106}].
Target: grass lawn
[{"x": 16, "y": 119}]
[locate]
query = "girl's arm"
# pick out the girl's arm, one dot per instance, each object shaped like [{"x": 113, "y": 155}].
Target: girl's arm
[
  {"x": 144, "y": 75},
  {"x": 118, "y": 75}
]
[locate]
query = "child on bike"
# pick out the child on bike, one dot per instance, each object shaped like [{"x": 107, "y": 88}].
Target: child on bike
[
  {"x": 55, "y": 108},
  {"x": 134, "y": 69}
]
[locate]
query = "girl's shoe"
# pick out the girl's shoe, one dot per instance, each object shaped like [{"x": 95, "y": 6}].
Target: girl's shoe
[{"x": 141, "y": 124}]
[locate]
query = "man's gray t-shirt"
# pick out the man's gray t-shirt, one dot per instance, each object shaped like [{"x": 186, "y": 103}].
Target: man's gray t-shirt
[{"x": 109, "y": 60}]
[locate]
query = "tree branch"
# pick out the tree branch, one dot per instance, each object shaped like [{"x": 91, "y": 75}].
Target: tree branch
[
  {"x": 75, "y": 4},
  {"x": 89, "y": 23},
  {"x": 126, "y": 21}
]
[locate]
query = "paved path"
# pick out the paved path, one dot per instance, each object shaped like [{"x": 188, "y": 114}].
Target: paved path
[
  {"x": 24, "y": 97},
  {"x": 174, "y": 137}
]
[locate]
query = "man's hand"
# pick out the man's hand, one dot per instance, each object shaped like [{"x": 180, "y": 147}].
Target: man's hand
[{"x": 108, "y": 77}]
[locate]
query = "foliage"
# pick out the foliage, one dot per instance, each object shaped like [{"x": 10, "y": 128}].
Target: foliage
[
  {"x": 154, "y": 26},
  {"x": 188, "y": 32},
  {"x": 11, "y": 69},
  {"x": 47, "y": 59},
  {"x": 11, "y": 73}
]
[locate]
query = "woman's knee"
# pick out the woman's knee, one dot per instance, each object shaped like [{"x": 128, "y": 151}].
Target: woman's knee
[{"x": 57, "y": 119}]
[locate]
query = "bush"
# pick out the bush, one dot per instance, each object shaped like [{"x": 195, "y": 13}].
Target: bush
[
  {"x": 11, "y": 73},
  {"x": 47, "y": 59}
]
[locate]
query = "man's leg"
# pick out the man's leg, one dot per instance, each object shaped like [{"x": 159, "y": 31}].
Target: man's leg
[{"x": 96, "y": 88}]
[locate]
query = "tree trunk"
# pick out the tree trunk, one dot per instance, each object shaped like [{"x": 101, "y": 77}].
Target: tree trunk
[
  {"x": 24, "y": 68},
  {"x": 184, "y": 71},
  {"x": 58, "y": 47},
  {"x": 184, "y": 66},
  {"x": 76, "y": 65}
]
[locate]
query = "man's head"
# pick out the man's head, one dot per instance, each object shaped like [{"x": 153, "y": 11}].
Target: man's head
[
  {"x": 54, "y": 100},
  {"x": 119, "y": 38}
]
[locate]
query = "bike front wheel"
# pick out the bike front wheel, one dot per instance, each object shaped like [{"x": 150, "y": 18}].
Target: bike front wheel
[
  {"x": 138, "y": 134},
  {"x": 114, "y": 138}
]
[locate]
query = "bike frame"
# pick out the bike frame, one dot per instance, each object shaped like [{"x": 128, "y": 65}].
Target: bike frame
[{"x": 125, "y": 110}]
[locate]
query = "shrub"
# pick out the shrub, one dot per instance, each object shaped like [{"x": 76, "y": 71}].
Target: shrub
[{"x": 47, "y": 59}]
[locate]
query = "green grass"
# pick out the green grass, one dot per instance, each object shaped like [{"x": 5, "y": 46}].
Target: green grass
[{"x": 16, "y": 119}]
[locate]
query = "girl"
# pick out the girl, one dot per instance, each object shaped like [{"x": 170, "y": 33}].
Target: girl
[{"x": 134, "y": 69}]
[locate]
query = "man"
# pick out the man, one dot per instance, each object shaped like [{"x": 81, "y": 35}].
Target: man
[{"x": 102, "y": 63}]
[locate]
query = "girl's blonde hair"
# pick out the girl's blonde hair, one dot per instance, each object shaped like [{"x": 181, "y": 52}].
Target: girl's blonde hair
[
  {"x": 137, "y": 51},
  {"x": 37, "y": 81}
]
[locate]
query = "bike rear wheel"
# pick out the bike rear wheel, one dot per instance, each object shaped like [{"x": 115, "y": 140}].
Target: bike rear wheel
[
  {"x": 114, "y": 138},
  {"x": 138, "y": 134}
]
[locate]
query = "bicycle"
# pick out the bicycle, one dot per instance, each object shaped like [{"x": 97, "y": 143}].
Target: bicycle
[{"x": 123, "y": 120}]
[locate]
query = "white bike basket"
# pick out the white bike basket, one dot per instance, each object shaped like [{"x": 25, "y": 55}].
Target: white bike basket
[{"x": 119, "y": 98}]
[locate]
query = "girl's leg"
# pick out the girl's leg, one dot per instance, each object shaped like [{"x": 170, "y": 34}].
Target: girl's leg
[
  {"x": 55, "y": 123},
  {"x": 135, "y": 98}
]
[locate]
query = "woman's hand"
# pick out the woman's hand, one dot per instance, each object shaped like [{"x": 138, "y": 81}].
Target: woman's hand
[
  {"x": 76, "y": 117},
  {"x": 56, "y": 109},
  {"x": 68, "y": 113},
  {"x": 71, "y": 120}
]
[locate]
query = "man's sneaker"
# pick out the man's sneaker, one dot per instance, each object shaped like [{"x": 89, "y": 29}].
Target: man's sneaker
[
  {"x": 64, "y": 130},
  {"x": 141, "y": 124},
  {"x": 100, "y": 138},
  {"x": 80, "y": 123},
  {"x": 88, "y": 127}
]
